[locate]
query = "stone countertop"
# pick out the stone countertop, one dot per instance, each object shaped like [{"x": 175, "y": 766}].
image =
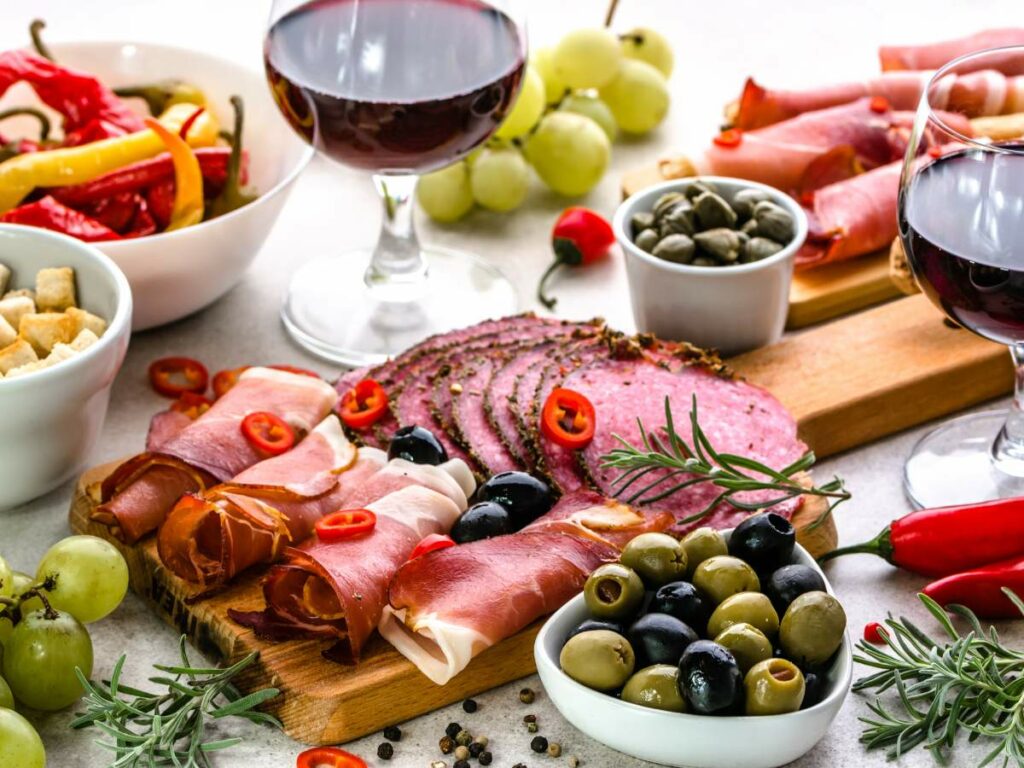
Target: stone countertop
[{"x": 717, "y": 46}]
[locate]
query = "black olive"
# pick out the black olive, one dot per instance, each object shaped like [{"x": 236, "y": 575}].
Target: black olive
[
  {"x": 588, "y": 624},
  {"x": 417, "y": 445},
  {"x": 481, "y": 521},
  {"x": 658, "y": 638},
  {"x": 789, "y": 582},
  {"x": 764, "y": 541},
  {"x": 710, "y": 679},
  {"x": 524, "y": 496},
  {"x": 682, "y": 600},
  {"x": 814, "y": 689}
]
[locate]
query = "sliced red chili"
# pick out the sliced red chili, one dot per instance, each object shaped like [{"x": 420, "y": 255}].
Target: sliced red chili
[
  {"x": 173, "y": 376},
  {"x": 431, "y": 543},
  {"x": 328, "y": 757},
  {"x": 224, "y": 380},
  {"x": 935, "y": 151},
  {"x": 345, "y": 524},
  {"x": 879, "y": 104},
  {"x": 268, "y": 433},
  {"x": 293, "y": 369},
  {"x": 729, "y": 138},
  {"x": 874, "y": 632},
  {"x": 364, "y": 404},
  {"x": 191, "y": 404},
  {"x": 568, "y": 419}
]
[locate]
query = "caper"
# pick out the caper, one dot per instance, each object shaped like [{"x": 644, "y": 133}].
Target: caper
[
  {"x": 656, "y": 557},
  {"x": 758, "y": 248},
  {"x": 746, "y": 643},
  {"x": 665, "y": 202},
  {"x": 613, "y": 591},
  {"x": 774, "y": 222},
  {"x": 678, "y": 249},
  {"x": 743, "y": 202},
  {"x": 696, "y": 189},
  {"x": 679, "y": 219},
  {"x": 600, "y": 659},
  {"x": 641, "y": 221},
  {"x": 773, "y": 687},
  {"x": 749, "y": 227},
  {"x": 812, "y": 628},
  {"x": 722, "y": 243},
  {"x": 713, "y": 211},
  {"x": 721, "y": 576},
  {"x": 700, "y": 544},
  {"x": 704, "y": 261},
  {"x": 751, "y": 608},
  {"x": 647, "y": 240},
  {"x": 656, "y": 687}
]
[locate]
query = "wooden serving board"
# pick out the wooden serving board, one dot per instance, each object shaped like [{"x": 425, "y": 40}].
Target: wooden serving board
[
  {"x": 847, "y": 383},
  {"x": 819, "y": 294}
]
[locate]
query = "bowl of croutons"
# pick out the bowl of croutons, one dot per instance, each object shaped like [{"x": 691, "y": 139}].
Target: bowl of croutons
[{"x": 65, "y": 321}]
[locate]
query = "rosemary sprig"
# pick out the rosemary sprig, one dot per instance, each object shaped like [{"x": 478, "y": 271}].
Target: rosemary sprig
[
  {"x": 169, "y": 728},
  {"x": 701, "y": 463},
  {"x": 973, "y": 684}
]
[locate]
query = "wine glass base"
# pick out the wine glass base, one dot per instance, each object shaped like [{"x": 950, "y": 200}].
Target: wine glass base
[
  {"x": 953, "y": 464},
  {"x": 330, "y": 312}
]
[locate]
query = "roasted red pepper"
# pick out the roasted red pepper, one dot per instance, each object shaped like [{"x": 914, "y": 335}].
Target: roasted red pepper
[
  {"x": 580, "y": 236},
  {"x": 268, "y": 433},
  {"x": 345, "y": 524},
  {"x": 981, "y": 589},
  {"x": 117, "y": 211},
  {"x": 328, "y": 757},
  {"x": 432, "y": 543},
  {"x": 174, "y": 376},
  {"x": 47, "y": 213},
  {"x": 568, "y": 419},
  {"x": 948, "y": 540},
  {"x": 363, "y": 405}
]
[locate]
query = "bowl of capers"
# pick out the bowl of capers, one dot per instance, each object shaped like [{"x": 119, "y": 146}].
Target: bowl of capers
[{"x": 710, "y": 260}]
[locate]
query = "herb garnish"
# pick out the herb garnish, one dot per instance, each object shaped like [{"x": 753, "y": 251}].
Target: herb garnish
[
  {"x": 974, "y": 684},
  {"x": 168, "y": 728},
  {"x": 704, "y": 464}
]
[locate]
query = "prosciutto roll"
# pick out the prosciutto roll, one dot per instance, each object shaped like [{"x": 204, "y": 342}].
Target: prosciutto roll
[
  {"x": 138, "y": 495},
  {"x": 447, "y": 606},
  {"x": 935, "y": 55}
]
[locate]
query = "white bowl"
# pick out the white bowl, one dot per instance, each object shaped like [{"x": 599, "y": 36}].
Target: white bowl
[
  {"x": 177, "y": 273},
  {"x": 697, "y": 741},
  {"x": 50, "y": 420},
  {"x": 731, "y": 309}
]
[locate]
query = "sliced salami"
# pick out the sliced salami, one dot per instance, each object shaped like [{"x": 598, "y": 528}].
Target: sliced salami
[{"x": 500, "y": 397}]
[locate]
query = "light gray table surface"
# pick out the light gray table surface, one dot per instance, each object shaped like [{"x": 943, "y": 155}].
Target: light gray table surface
[{"x": 717, "y": 45}]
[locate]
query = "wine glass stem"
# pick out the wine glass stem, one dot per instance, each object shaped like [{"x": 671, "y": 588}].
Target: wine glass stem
[
  {"x": 1008, "y": 449},
  {"x": 398, "y": 269}
]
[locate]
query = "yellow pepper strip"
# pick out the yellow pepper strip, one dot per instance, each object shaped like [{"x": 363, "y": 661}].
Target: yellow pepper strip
[
  {"x": 75, "y": 165},
  {"x": 188, "y": 178}
]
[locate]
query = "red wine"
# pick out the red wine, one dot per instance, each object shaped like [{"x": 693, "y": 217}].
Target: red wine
[
  {"x": 962, "y": 223},
  {"x": 394, "y": 85}
]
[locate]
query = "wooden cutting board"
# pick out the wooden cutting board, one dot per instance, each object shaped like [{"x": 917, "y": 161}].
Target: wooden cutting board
[
  {"x": 818, "y": 294},
  {"x": 847, "y": 383}
]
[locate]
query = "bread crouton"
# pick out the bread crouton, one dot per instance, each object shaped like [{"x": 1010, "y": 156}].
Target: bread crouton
[
  {"x": 5, "y": 278},
  {"x": 16, "y": 355},
  {"x": 55, "y": 289},
  {"x": 27, "y": 293},
  {"x": 7, "y": 333},
  {"x": 16, "y": 307},
  {"x": 87, "y": 321},
  {"x": 46, "y": 329}
]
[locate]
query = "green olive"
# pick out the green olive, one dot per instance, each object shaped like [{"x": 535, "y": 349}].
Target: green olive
[
  {"x": 812, "y": 628},
  {"x": 746, "y": 643},
  {"x": 598, "y": 659},
  {"x": 751, "y": 608},
  {"x": 656, "y": 687},
  {"x": 656, "y": 557},
  {"x": 773, "y": 687},
  {"x": 700, "y": 545},
  {"x": 613, "y": 591},
  {"x": 721, "y": 576}
]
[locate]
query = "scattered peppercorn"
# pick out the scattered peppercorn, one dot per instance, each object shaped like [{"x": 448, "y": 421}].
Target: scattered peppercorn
[
  {"x": 447, "y": 745},
  {"x": 453, "y": 729},
  {"x": 464, "y": 738},
  {"x": 529, "y": 718},
  {"x": 539, "y": 744},
  {"x": 439, "y": 764},
  {"x": 482, "y": 741},
  {"x": 555, "y": 749},
  {"x": 485, "y": 758},
  {"x": 461, "y": 753},
  {"x": 470, "y": 706},
  {"x": 574, "y": 762},
  {"x": 461, "y": 764},
  {"x": 532, "y": 727},
  {"x": 519, "y": 765},
  {"x": 526, "y": 695},
  {"x": 385, "y": 751},
  {"x": 476, "y": 748},
  {"x": 393, "y": 733}
]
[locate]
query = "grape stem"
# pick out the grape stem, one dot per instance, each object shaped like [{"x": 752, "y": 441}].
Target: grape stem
[
  {"x": 37, "y": 591},
  {"x": 612, "y": 5}
]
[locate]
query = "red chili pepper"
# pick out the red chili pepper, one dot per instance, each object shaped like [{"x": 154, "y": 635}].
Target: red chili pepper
[
  {"x": 873, "y": 633},
  {"x": 143, "y": 224},
  {"x": 268, "y": 433},
  {"x": 981, "y": 589},
  {"x": 948, "y": 540},
  {"x": 191, "y": 404},
  {"x": 116, "y": 212},
  {"x": 580, "y": 236},
  {"x": 879, "y": 104},
  {"x": 328, "y": 757},
  {"x": 47, "y": 213},
  {"x": 363, "y": 405},
  {"x": 160, "y": 199},
  {"x": 432, "y": 543},
  {"x": 224, "y": 380},
  {"x": 345, "y": 524},
  {"x": 729, "y": 138},
  {"x": 568, "y": 418},
  {"x": 173, "y": 376},
  {"x": 189, "y": 122},
  {"x": 295, "y": 370}
]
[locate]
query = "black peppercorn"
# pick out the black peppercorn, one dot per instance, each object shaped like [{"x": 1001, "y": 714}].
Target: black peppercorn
[
  {"x": 529, "y": 718},
  {"x": 469, "y": 706},
  {"x": 393, "y": 733},
  {"x": 461, "y": 764},
  {"x": 526, "y": 695},
  {"x": 385, "y": 751},
  {"x": 485, "y": 758},
  {"x": 453, "y": 729},
  {"x": 539, "y": 744},
  {"x": 447, "y": 745},
  {"x": 519, "y": 765},
  {"x": 476, "y": 748}
]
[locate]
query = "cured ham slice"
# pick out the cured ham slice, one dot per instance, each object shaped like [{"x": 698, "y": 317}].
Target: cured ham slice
[
  {"x": 138, "y": 495},
  {"x": 935, "y": 55},
  {"x": 447, "y": 606}
]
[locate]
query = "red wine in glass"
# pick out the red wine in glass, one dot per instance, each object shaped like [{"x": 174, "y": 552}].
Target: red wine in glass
[{"x": 394, "y": 85}]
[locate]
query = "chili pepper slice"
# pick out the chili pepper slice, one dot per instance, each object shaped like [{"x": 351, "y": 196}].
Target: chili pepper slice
[
  {"x": 224, "y": 380},
  {"x": 328, "y": 757},
  {"x": 568, "y": 419},
  {"x": 935, "y": 151},
  {"x": 729, "y": 138},
  {"x": 173, "y": 376},
  {"x": 345, "y": 524},
  {"x": 363, "y": 404},
  {"x": 580, "y": 237},
  {"x": 879, "y": 104},
  {"x": 268, "y": 433},
  {"x": 431, "y": 543},
  {"x": 191, "y": 404},
  {"x": 873, "y": 633}
]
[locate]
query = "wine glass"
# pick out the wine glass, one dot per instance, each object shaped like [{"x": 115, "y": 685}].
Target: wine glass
[
  {"x": 399, "y": 88},
  {"x": 961, "y": 220}
]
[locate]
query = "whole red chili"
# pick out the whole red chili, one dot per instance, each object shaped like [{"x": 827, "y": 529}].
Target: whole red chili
[
  {"x": 47, "y": 213},
  {"x": 873, "y": 633},
  {"x": 580, "y": 236},
  {"x": 981, "y": 589},
  {"x": 948, "y": 540}
]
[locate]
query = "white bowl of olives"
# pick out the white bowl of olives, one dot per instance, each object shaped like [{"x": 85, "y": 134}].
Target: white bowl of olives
[
  {"x": 710, "y": 260},
  {"x": 696, "y": 668}
]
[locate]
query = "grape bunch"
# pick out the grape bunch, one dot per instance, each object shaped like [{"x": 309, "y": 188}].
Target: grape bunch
[
  {"x": 574, "y": 100},
  {"x": 43, "y": 638}
]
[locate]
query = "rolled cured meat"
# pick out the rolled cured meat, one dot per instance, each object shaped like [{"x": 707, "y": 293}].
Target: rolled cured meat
[
  {"x": 337, "y": 590},
  {"x": 447, "y": 606},
  {"x": 935, "y": 55},
  {"x": 137, "y": 496}
]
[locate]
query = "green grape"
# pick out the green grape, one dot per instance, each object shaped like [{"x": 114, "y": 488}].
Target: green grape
[
  {"x": 638, "y": 96},
  {"x": 40, "y": 659},
  {"x": 20, "y": 745},
  {"x": 6, "y": 579},
  {"x": 22, "y": 582},
  {"x": 90, "y": 575},
  {"x": 587, "y": 58},
  {"x": 542, "y": 62},
  {"x": 528, "y": 108},
  {"x": 592, "y": 107},
  {"x": 445, "y": 194},
  {"x": 500, "y": 179},
  {"x": 645, "y": 44},
  {"x": 6, "y": 697},
  {"x": 569, "y": 152}
]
